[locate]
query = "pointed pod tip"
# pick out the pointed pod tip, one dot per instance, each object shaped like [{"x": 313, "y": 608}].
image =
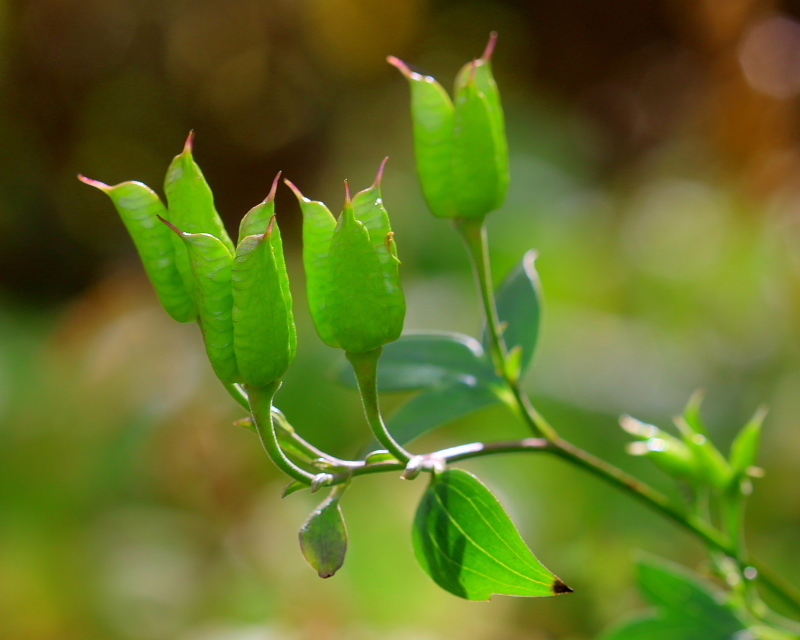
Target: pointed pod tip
[
  {"x": 472, "y": 70},
  {"x": 189, "y": 144},
  {"x": 347, "y": 194},
  {"x": 170, "y": 225},
  {"x": 486, "y": 56},
  {"x": 560, "y": 587},
  {"x": 94, "y": 183},
  {"x": 271, "y": 195},
  {"x": 379, "y": 177},
  {"x": 270, "y": 227},
  {"x": 295, "y": 190},
  {"x": 401, "y": 66}
]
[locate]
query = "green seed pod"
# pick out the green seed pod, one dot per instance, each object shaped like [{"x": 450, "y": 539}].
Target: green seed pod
[
  {"x": 140, "y": 209},
  {"x": 480, "y": 71},
  {"x": 191, "y": 206},
  {"x": 263, "y": 326},
  {"x": 318, "y": 226},
  {"x": 212, "y": 263},
  {"x": 191, "y": 203},
  {"x": 461, "y": 149},
  {"x": 433, "y": 117},
  {"x": 352, "y": 271}
]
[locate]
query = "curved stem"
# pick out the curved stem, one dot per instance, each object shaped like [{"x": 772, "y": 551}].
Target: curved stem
[
  {"x": 237, "y": 393},
  {"x": 365, "y": 366},
  {"x": 261, "y": 408}
]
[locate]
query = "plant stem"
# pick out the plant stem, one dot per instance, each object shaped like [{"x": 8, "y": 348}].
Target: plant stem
[
  {"x": 286, "y": 433},
  {"x": 365, "y": 366},
  {"x": 261, "y": 409},
  {"x": 238, "y": 394},
  {"x": 473, "y": 231}
]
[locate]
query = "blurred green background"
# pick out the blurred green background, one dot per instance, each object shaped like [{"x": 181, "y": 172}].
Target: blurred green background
[{"x": 654, "y": 166}]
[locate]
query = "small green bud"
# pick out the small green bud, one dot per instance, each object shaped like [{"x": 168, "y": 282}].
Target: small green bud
[
  {"x": 352, "y": 271},
  {"x": 460, "y": 145},
  {"x": 323, "y": 537},
  {"x": 667, "y": 452},
  {"x": 714, "y": 470}
]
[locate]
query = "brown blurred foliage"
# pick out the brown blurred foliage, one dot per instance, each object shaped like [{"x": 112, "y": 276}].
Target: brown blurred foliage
[{"x": 111, "y": 87}]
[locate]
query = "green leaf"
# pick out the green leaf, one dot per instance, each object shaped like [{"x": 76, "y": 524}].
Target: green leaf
[
  {"x": 712, "y": 467},
  {"x": 323, "y": 538},
  {"x": 744, "y": 448},
  {"x": 691, "y": 413},
  {"x": 419, "y": 361},
  {"x": 293, "y": 487},
  {"x": 519, "y": 307},
  {"x": 438, "y": 406},
  {"x": 467, "y": 543},
  {"x": 688, "y": 609}
]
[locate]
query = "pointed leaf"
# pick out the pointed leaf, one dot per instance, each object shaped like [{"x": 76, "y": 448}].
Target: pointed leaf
[
  {"x": 419, "y": 361},
  {"x": 436, "y": 407},
  {"x": 323, "y": 538},
  {"x": 744, "y": 448},
  {"x": 688, "y": 609},
  {"x": 467, "y": 543},
  {"x": 691, "y": 413},
  {"x": 712, "y": 467},
  {"x": 519, "y": 307},
  {"x": 293, "y": 487}
]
